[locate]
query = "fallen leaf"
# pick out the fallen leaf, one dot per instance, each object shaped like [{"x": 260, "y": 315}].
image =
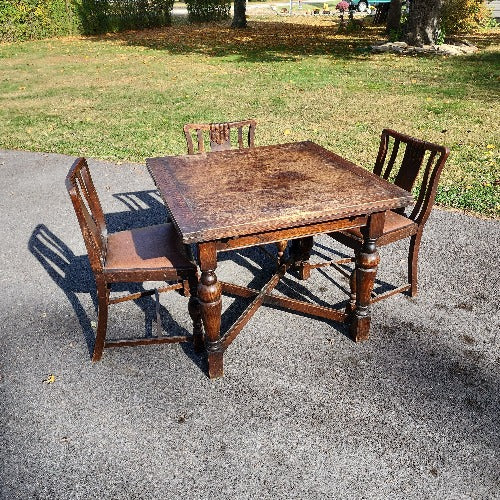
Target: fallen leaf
[{"x": 50, "y": 379}]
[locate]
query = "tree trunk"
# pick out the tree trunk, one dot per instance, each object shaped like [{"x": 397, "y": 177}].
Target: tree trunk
[
  {"x": 394, "y": 16},
  {"x": 239, "y": 18},
  {"x": 423, "y": 22}
]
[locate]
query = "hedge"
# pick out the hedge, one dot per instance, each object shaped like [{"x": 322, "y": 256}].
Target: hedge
[
  {"x": 208, "y": 10},
  {"x": 34, "y": 19},
  {"x": 462, "y": 16}
]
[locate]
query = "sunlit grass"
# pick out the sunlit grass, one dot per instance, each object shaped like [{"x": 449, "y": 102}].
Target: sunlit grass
[{"x": 126, "y": 96}]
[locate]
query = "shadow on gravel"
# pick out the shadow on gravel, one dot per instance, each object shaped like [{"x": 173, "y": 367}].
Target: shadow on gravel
[
  {"x": 458, "y": 382},
  {"x": 145, "y": 208},
  {"x": 70, "y": 272},
  {"x": 326, "y": 253},
  {"x": 74, "y": 276}
]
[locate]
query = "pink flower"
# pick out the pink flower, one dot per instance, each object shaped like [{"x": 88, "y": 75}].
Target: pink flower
[{"x": 342, "y": 6}]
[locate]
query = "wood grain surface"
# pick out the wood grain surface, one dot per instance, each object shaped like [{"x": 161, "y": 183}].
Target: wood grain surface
[{"x": 232, "y": 193}]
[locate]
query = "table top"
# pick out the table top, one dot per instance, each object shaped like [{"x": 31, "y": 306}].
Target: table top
[{"x": 211, "y": 196}]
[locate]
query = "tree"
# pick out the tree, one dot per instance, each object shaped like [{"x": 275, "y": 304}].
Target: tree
[
  {"x": 239, "y": 17},
  {"x": 394, "y": 16},
  {"x": 423, "y": 22}
]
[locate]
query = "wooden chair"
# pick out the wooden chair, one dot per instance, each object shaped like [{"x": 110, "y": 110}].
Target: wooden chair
[
  {"x": 152, "y": 253},
  {"x": 219, "y": 135},
  {"x": 220, "y": 140},
  {"x": 400, "y": 160}
]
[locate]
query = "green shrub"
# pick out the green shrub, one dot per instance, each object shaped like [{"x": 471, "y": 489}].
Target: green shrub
[
  {"x": 208, "y": 10},
  {"x": 34, "y": 19},
  {"x": 462, "y": 16},
  {"x": 101, "y": 16},
  {"x": 28, "y": 19}
]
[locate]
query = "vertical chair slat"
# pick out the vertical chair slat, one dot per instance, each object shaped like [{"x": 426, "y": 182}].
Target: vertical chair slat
[
  {"x": 424, "y": 186},
  {"x": 201, "y": 146},
  {"x": 217, "y": 132},
  {"x": 240, "y": 137},
  {"x": 390, "y": 165}
]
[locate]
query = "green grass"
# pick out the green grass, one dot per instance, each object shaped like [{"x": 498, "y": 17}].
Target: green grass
[{"x": 126, "y": 96}]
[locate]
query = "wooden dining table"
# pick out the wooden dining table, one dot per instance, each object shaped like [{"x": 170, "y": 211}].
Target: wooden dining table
[{"x": 234, "y": 199}]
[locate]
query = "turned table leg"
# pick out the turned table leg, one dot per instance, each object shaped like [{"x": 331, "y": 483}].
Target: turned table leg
[
  {"x": 194, "y": 310},
  {"x": 366, "y": 269},
  {"x": 209, "y": 296},
  {"x": 281, "y": 246},
  {"x": 351, "y": 305}
]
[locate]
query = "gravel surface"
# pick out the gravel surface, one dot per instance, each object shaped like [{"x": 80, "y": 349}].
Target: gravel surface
[{"x": 302, "y": 412}]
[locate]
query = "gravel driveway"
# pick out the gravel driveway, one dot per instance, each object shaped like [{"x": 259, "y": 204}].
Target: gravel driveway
[{"x": 302, "y": 412}]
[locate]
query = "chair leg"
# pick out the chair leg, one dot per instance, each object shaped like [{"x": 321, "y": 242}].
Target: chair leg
[
  {"x": 413, "y": 263},
  {"x": 102, "y": 320}
]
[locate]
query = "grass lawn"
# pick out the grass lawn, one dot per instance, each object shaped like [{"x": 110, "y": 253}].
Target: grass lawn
[{"x": 126, "y": 96}]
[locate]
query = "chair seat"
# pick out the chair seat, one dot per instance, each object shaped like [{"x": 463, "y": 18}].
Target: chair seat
[
  {"x": 395, "y": 227},
  {"x": 154, "y": 248}
]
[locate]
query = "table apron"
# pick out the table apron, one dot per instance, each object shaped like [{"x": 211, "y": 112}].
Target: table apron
[{"x": 290, "y": 233}]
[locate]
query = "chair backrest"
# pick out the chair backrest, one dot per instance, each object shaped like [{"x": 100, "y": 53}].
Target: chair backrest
[
  {"x": 219, "y": 135},
  {"x": 88, "y": 211},
  {"x": 400, "y": 159}
]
